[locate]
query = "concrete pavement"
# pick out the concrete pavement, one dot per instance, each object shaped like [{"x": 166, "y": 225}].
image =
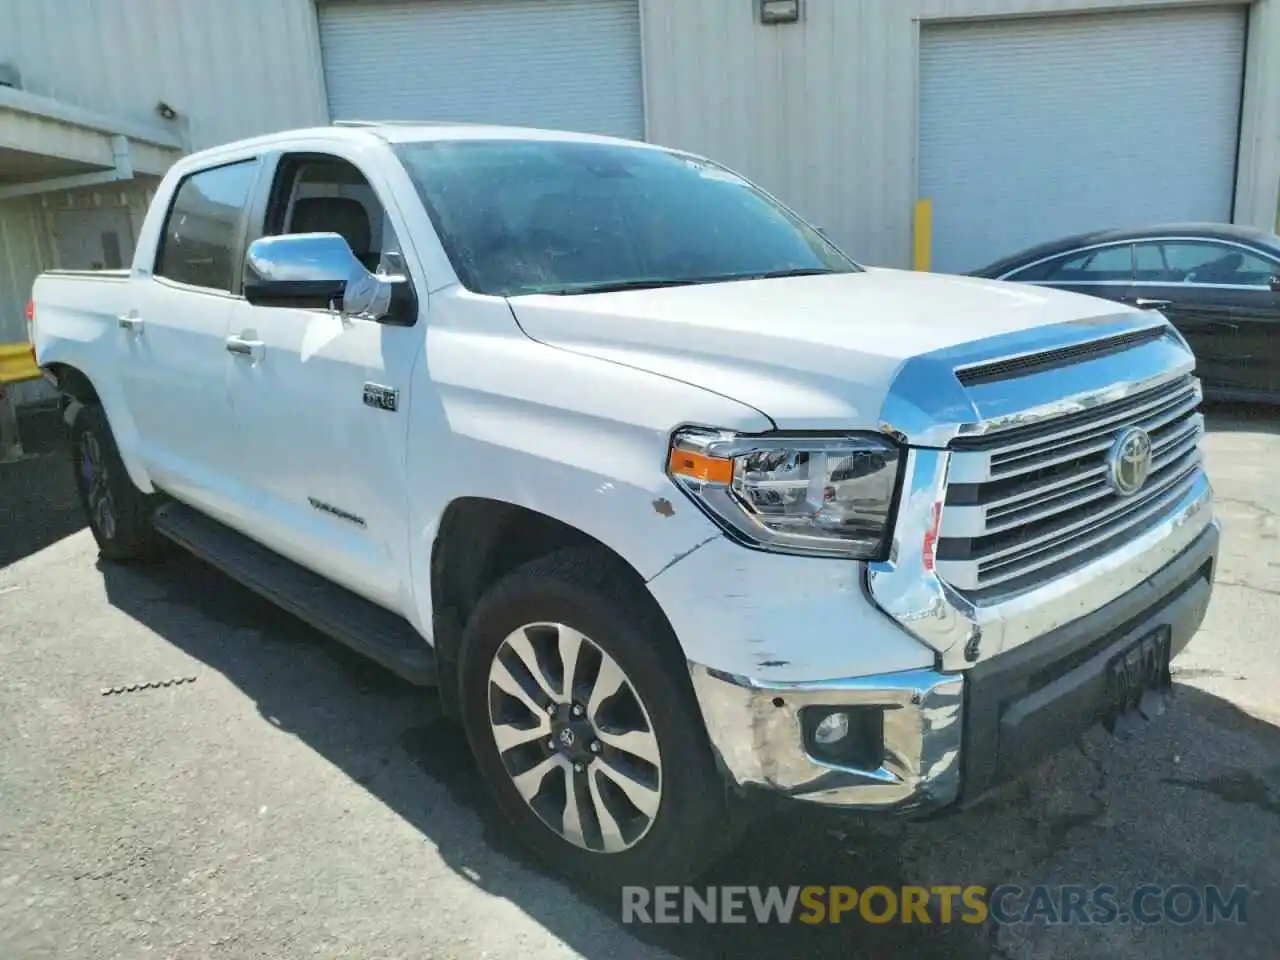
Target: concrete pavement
[{"x": 294, "y": 801}]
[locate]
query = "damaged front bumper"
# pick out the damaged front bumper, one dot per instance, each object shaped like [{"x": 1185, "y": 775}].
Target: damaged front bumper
[
  {"x": 902, "y": 745},
  {"x": 922, "y": 740}
]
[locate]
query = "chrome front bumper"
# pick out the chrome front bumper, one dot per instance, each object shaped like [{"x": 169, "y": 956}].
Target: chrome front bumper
[
  {"x": 756, "y": 731},
  {"x": 950, "y": 737}
]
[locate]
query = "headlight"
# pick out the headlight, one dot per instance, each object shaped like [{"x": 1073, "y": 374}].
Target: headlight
[{"x": 820, "y": 495}]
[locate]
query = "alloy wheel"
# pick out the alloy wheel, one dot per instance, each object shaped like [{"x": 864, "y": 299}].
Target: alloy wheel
[
  {"x": 575, "y": 737},
  {"x": 93, "y": 473}
]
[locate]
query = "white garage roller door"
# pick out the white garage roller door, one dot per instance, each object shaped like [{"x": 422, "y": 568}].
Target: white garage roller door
[
  {"x": 567, "y": 64},
  {"x": 1033, "y": 129}
]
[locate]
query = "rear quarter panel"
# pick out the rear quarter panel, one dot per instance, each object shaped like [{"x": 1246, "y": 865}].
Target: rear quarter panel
[{"x": 76, "y": 324}]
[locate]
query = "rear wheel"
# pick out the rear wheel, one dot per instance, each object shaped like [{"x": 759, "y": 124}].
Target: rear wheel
[
  {"x": 580, "y": 714},
  {"x": 119, "y": 514}
]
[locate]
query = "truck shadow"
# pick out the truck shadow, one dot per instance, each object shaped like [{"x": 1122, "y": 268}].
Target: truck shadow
[
  {"x": 38, "y": 505},
  {"x": 1228, "y": 417},
  {"x": 389, "y": 737}
]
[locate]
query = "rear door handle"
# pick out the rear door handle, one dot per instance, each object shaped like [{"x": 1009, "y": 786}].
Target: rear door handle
[
  {"x": 245, "y": 348},
  {"x": 129, "y": 321},
  {"x": 1144, "y": 303}
]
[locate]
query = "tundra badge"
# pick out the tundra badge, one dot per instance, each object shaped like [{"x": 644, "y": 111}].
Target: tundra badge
[{"x": 380, "y": 397}]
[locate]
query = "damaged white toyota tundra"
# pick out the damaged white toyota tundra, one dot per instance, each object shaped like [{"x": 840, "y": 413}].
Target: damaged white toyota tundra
[{"x": 672, "y": 501}]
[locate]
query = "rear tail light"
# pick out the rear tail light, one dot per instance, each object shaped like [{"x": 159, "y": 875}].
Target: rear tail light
[{"x": 31, "y": 326}]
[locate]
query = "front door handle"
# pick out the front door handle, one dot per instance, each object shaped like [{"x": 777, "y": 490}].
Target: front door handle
[
  {"x": 245, "y": 348},
  {"x": 1143, "y": 303},
  {"x": 129, "y": 321}
]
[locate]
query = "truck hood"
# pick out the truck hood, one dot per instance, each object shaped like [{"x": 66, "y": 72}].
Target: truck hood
[{"x": 815, "y": 352}]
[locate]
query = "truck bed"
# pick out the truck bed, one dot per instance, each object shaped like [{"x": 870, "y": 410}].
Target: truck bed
[
  {"x": 77, "y": 316},
  {"x": 118, "y": 275}
]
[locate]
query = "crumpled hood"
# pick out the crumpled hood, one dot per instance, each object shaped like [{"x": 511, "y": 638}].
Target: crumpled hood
[{"x": 809, "y": 352}]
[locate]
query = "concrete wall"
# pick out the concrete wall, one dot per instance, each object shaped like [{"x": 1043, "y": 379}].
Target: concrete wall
[{"x": 824, "y": 112}]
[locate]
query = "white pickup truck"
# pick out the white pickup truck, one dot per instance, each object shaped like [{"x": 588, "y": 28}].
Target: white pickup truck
[{"x": 673, "y": 501}]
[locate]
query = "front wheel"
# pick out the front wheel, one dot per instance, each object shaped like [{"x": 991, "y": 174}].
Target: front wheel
[{"x": 584, "y": 725}]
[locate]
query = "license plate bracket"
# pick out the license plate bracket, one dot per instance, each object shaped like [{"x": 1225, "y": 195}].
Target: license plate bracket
[{"x": 1139, "y": 683}]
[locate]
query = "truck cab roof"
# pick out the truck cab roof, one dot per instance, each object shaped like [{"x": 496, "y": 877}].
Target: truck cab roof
[{"x": 361, "y": 131}]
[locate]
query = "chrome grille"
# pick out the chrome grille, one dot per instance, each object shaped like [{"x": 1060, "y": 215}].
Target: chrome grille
[{"x": 1027, "y": 504}]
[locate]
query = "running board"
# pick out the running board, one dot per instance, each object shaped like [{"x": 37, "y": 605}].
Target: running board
[{"x": 365, "y": 627}]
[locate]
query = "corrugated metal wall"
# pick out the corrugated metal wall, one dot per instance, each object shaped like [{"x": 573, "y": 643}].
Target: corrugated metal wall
[
  {"x": 235, "y": 67},
  {"x": 25, "y": 250},
  {"x": 1037, "y": 128},
  {"x": 824, "y": 112},
  {"x": 554, "y": 63},
  {"x": 231, "y": 68}
]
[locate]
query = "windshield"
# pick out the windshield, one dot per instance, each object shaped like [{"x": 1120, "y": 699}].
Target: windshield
[{"x": 565, "y": 217}]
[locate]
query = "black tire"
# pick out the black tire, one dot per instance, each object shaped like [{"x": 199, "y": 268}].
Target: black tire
[
  {"x": 583, "y": 588},
  {"x": 119, "y": 514}
]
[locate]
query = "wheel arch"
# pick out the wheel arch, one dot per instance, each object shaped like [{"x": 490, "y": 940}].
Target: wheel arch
[
  {"x": 78, "y": 389},
  {"x": 480, "y": 540},
  {"x": 73, "y": 383}
]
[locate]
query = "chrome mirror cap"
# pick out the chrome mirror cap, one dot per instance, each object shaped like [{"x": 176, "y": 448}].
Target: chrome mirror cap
[{"x": 314, "y": 269}]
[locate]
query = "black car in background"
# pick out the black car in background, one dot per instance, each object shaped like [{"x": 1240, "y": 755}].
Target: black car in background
[{"x": 1218, "y": 284}]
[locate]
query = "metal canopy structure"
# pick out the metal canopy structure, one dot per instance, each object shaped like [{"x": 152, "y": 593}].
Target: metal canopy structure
[{"x": 47, "y": 145}]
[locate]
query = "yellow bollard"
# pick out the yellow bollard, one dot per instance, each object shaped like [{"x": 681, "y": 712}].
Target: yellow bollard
[
  {"x": 923, "y": 235},
  {"x": 17, "y": 363}
]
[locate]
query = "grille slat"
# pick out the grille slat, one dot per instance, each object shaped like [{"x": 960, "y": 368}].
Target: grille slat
[
  {"x": 1039, "y": 497},
  {"x": 1074, "y": 552},
  {"x": 1079, "y": 519},
  {"x": 1164, "y": 450},
  {"x": 1080, "y": 420},
  {"x": 1150, "y": 417}
]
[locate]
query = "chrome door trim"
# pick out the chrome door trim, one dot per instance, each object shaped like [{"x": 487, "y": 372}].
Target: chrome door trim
[
  {"x": 1162, "y": 238},
  {"x": 1073, "y": 251}
]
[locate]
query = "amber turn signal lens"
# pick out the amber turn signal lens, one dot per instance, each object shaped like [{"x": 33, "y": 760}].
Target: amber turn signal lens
[{"x": 696, "y": 466}]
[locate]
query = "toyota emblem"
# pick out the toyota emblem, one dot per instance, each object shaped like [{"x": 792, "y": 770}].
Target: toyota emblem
[{"x": 1129, "y": 461}]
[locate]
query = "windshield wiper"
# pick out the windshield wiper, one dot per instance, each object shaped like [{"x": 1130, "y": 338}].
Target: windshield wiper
[
  {"x": 613, "y": 286},
  {"x": 794, "y": 272},
  {"x": 652, "y": 283}
]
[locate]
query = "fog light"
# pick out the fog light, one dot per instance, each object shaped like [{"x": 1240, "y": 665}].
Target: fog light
[
  {"x": 833, "y": 728},
  {"x": 844, "y": 736}
]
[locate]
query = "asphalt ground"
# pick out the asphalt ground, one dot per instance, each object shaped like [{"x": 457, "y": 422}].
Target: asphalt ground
[{"x": 295, "y": 801}]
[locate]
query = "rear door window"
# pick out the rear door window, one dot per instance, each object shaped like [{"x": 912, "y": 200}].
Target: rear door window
[
  {"x": 1204, "y": 263},
  {"x": 200, "y": 242}
]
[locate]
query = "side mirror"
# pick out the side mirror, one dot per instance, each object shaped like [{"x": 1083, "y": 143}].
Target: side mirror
[{"x": 318, "y": 271}]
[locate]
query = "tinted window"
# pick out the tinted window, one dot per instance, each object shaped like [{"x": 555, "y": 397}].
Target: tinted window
[
  {"x": 1105, "y": 264},
  {"x": 324, "y": 194},
  {"x": 1099, "y": 265},
  {"x": 1037, "y": 271},
  {"x": 1191, "y": 261},
  {"x": 1149, "y": 262},
  {"x": 528, "y": 216},
  {"x": 202, "y": 232}
]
